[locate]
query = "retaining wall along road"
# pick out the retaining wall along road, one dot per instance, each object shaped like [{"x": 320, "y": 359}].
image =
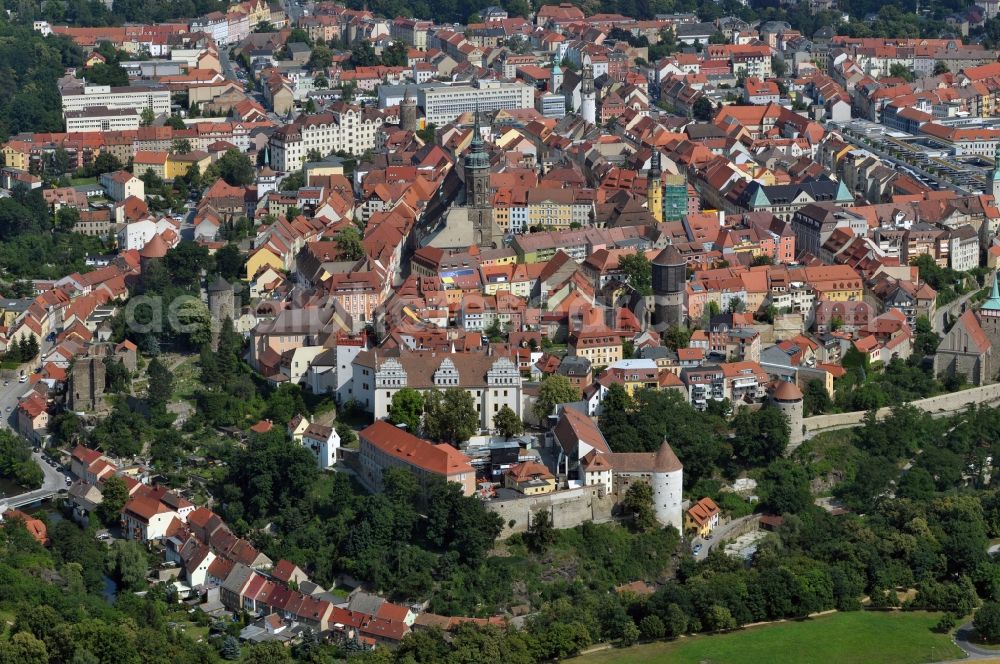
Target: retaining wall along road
[{"x": 952, "y": 402}]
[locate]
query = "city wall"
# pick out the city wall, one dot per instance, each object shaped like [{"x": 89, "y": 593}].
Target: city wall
[
  {"x": 567, "y": 508},
  {"x": 943, "y": 404}
]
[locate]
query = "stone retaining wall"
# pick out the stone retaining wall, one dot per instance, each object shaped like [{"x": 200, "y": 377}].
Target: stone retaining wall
[
  {"x": 567, "y": 508},
  {"x": 943, "y": 403}
]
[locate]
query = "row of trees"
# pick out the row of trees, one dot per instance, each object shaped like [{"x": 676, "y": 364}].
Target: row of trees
[
  {"x": 449, "y": 415},
  {"x": 22, "y": 349}
]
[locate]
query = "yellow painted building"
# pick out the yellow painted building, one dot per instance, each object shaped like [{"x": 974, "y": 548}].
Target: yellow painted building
[
  {"x": 550, "y": 213},
  {"x": 179, "y": 164},
  {"x": 837, "y": 283},
  {"x": 702, "y": 518},
  {"x": 261, "y": 258},
  {"x": 530, "y": 478},
  {"x": 501, "y": 216},
  {"x": 15, "y": 155},
  {"x": 600, "y": 345},
  {"x": 257, "y": 12}
]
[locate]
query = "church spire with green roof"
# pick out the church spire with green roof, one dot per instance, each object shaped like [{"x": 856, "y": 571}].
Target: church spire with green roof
[
  {"x": 992, "y": 303},
  {"x": 996, "y": 179}
]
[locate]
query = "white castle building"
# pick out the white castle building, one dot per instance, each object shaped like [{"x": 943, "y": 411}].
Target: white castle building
[
  {"x": 584, "y": 451},
  {"x": 493, "y": 381}
]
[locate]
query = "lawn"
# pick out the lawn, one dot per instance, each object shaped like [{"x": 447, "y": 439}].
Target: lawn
[{"x": 841, "y": 638}]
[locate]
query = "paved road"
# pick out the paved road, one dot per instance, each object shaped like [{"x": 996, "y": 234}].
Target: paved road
[
  {"x": 54, "y": 479},
  {"x": 719, "y": 535},
  {"x": 9, "y": 395},
  {"x": 227, "y": 66},
  {"x": 962, "y": 636},
  {"x": 53, "y": 483}
]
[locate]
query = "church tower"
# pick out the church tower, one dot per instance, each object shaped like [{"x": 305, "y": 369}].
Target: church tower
[
  {"x": 654, "y": 187},
  {"x": 588, "y": 96},
  {"x": 556, "y": 79},
  {"x": 476, "y": 167},
  {"x": 989, "y": 311},
  {"x": 996, "y": 179}
]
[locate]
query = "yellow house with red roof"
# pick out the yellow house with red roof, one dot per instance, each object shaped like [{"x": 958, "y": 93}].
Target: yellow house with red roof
[
  {"x": 702, "y": 517},
  {"x": 260, "y": 259}
]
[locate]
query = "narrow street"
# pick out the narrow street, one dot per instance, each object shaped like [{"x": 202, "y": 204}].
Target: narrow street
[
  {"x": 720, "y": 534},
  {"x": 54, "y": 481},
  {"x": 962, "y": 636}
]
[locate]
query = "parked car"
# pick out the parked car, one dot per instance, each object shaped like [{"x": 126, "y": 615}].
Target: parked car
[{"x": 697, "y": 549}]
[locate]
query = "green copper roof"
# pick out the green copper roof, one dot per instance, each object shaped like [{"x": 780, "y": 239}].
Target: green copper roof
[
  {"x": 759, "y": 197},
  {"x": 842, "y": 193},
  {"x": 992, "y": 303},
  {"x": 996, "y": 167}
]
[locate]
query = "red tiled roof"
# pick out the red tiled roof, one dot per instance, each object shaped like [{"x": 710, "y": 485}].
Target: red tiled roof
[
  {"x": 703, "y": 511},
  {"x": 441, "y": 459}
]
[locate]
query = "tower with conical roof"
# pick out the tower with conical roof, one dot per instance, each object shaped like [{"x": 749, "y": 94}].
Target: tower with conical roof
[
  {"x": 654, "y": 187},
  {"x": 787, "y": 398},
  {"x": 996, "y": 178},
  {"x": 667, "y": 482},
  {"x": 669, "y": 280},
  {"x": 476, "y": 167},
  {"x": 588, "y": 96}
]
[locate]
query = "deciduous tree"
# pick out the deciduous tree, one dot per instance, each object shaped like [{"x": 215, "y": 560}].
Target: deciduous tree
[
  {"x": 115, "y": 494},
  {"x": 987, "y": 622},
  {"x": 639, "y": 502},
  {"x": 639, "y": 272},
  {"x": 407, "y": 408},
  {"x": 554, "y": 390},
  {"x": 450, "y": 415},
  {"x": 507, "y": 423}
]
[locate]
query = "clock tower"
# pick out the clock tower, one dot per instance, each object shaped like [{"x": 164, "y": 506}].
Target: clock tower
[{"x": 477, "y": 188}]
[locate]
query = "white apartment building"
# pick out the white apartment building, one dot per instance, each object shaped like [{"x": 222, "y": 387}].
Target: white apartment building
[
  {"x": 136, "y": 234},
  {"x": 351, "y": 129},
  {"x": 122, "y": 184},
  {"x": 493, "y": 381},
  {"x": 443, "y": 103},
  {"x": 101, "y": 118},
  {"x": 225, "y": 29},
  {"x": 131, "y": 97},
  {"x": 753, "y": 61}
]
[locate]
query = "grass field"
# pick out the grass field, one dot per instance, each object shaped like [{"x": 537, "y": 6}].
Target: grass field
[{"x": 841, "y": 638}]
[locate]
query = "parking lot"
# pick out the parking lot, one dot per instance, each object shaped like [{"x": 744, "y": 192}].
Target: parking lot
[{"x": 925, "y": 160}]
